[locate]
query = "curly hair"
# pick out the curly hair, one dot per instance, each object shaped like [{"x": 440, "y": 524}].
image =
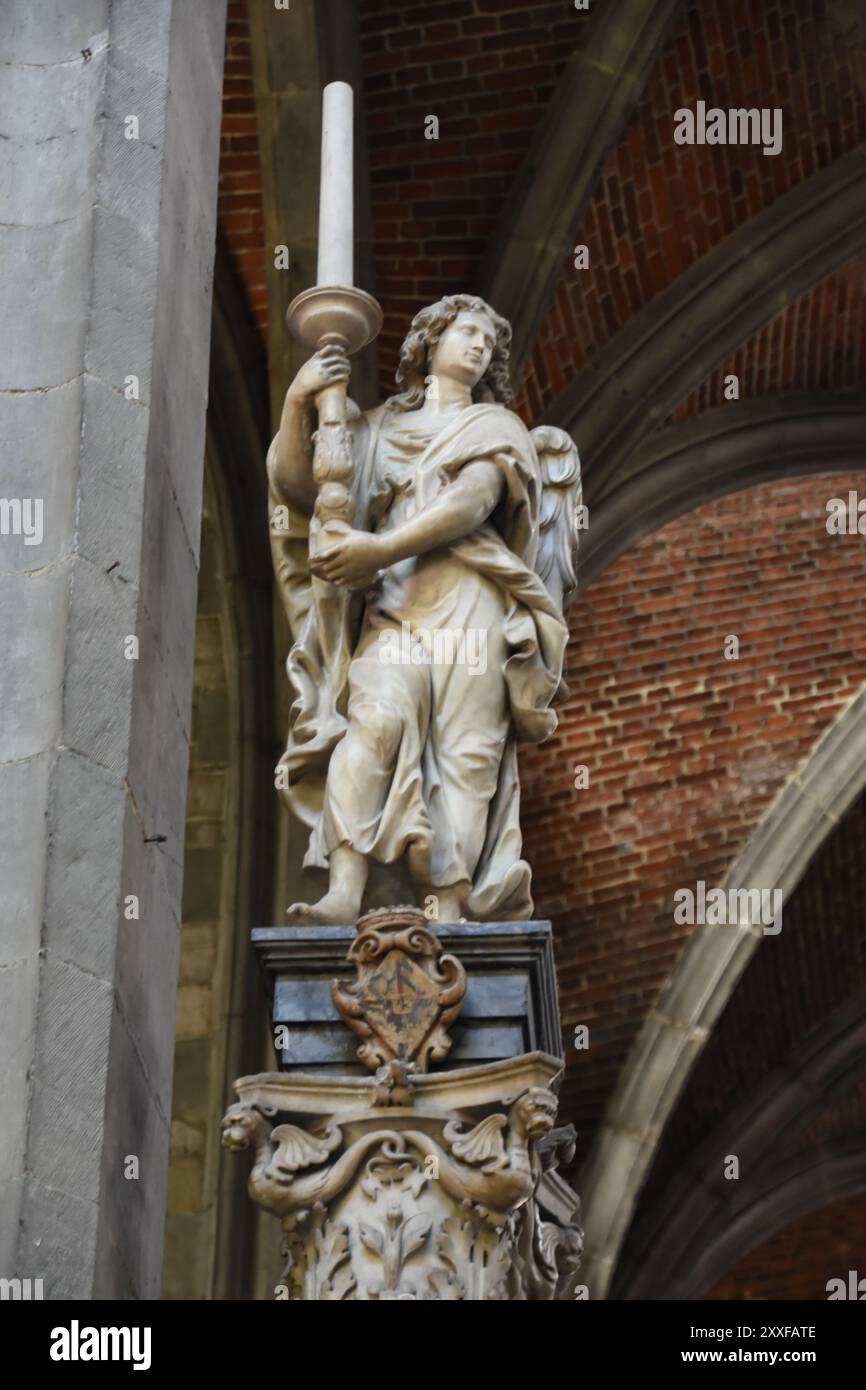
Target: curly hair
[{"x": 427, "y": 328}]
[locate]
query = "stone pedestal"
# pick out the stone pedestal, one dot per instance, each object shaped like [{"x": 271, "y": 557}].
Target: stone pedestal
[
  {"x": 510, "y": 1004},
  {"x": 435, "y": 1177}
]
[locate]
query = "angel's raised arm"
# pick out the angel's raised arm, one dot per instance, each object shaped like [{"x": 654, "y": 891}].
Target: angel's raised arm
[{"x": 290, "y": 461}]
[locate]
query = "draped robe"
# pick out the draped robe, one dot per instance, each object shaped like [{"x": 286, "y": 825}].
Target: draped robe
[{"x": 444, "y": 804}]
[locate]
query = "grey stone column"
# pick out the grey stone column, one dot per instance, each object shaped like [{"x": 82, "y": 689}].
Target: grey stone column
[{"x": 110, "y": 116}]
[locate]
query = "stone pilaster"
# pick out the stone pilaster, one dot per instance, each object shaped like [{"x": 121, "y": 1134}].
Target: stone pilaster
[{"x": 110, "y": 116}]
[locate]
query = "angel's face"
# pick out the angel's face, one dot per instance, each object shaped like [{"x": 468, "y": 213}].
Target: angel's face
[{"x": 465, "y": 348}]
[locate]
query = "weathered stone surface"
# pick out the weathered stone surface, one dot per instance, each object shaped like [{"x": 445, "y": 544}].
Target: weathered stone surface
[
  {"x": 111, "y": 480},
  {"x": 207, "y": 794},
  {"x": 31, "y": 673},
  {"x": 201, "y": 898},
  {"x": 199, "y": 953},
  {"x": 120, "y": 338},
  {"x": 19, "y": 983},
  {"x": 69, "y": 1078},
  {"x": 105, "y": 273},
  {"x": 23, "y": 794},
  {"x": 57, "y": 1240},
  {"x": 83, "y": 889},
  {"x": 412, "y": 1186},
  {"x": 136, "y": 1125},
  {"x": 102, "y": 614},
  {"x": 52, "y": 35},
  {"x": 193, "y": 1012},
  {"x": 35, "y": 429},
  {"x": 43, "y": 269},
  {"x": 192, "y": 1064}
]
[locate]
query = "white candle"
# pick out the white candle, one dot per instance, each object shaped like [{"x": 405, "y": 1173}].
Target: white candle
[{"x": 336, "y": 223}]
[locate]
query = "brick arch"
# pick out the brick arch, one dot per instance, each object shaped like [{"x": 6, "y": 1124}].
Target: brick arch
[
  {"x": 797, "y": 1262},
  {"x": 660, "y": 206},
  {"x": 806, "y": 1183},
  {"x": 817, "y": 345},
  {"x": 704, "y": 1223},
  {"x": 669, "y": 347},
  {"x": 725, "y": 450},
  {"x": 667, "y": 1251},
  {"x": 704, "y": 978},
  {"x": 594, "y": 99}
]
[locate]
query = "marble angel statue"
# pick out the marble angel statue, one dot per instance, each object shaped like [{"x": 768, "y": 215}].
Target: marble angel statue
[{"x": 458, "y": 566}]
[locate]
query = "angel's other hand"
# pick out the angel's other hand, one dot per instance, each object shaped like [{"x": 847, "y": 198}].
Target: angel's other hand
[{"x": 349, "y": 558}]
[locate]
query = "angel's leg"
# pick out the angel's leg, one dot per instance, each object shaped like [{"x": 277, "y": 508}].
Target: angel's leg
[
  {"x": 372, "y": 798},
  {"x": 468, "y": 731},
  {"x": 342, "y": 902}
]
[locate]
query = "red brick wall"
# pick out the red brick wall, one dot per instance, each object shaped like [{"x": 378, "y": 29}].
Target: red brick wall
[
  {"x": 239, "y": 206},
  {"x": 661, "y": 206},
  {"x": 486, "y": 69},
  {"x": 797, "y": 1262},
  {"x": 685, "y": 749}
]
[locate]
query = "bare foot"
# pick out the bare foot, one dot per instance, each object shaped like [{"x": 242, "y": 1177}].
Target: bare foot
[
  {"x": 334, "y": 909},
  {"x": 450, "y": 908}
]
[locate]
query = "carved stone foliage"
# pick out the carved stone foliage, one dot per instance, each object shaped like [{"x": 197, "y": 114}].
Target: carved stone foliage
[
  {"x": 406, "y": 994},
  {"x": 317, "y": 1253},
  {"x": 420, "y": 1201}
]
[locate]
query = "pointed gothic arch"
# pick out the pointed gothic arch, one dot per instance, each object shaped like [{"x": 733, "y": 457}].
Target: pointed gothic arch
[
  {"x": 709, "y": 968},
  {"x": 668, "y": 348},
  {"x": 595, "y": 97},
  {"x": 703, "y": 1224},
  {"x": 211, "y": 1236},
  {"x": 736, "y": 446}
]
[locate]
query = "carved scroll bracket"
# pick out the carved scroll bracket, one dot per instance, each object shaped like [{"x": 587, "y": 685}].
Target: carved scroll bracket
[{"x": 447, "y": 1189}]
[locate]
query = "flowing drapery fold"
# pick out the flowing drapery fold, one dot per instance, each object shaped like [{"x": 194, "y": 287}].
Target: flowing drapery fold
[{"x": 492, "y": 581}]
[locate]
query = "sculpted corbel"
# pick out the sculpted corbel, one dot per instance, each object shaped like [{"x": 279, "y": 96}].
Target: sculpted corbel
[
  {"x": 284, "y": 1152},
  {"x": 493, "y": 1166}
]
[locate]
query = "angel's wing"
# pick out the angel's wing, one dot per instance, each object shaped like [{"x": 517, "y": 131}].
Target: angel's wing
[{"x": 561, "y": 499}]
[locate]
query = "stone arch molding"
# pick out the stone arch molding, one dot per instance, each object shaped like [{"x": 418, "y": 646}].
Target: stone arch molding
[
  {"x": 687, "y": 330},
  {"x": 223, "y": 1228},
  {"x": 808, "y": 807},
  {"x": 722, "y": 451},
  {"x": 806, "y": 1183},
  {"x": 593, "y": 102},
  {"x": 703, "y": 1224}
]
